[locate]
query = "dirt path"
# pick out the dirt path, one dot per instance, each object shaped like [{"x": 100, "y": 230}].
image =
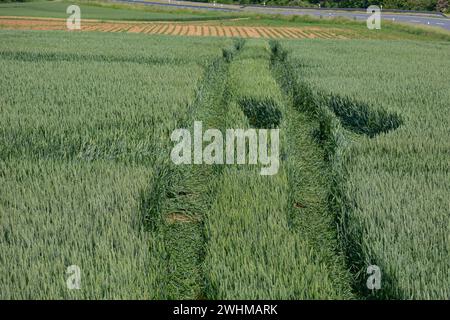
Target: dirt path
[{"x": 171, "y": 28}]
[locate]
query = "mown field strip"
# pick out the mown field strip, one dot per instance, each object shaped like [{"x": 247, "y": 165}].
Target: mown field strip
[{"x": 172, "y": 29}]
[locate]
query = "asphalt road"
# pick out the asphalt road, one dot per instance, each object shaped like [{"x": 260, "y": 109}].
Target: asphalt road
[{"x": 431, "y": 19}]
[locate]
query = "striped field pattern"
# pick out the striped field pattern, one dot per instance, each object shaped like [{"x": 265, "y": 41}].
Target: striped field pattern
[{"x": 179, "y": 29}]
